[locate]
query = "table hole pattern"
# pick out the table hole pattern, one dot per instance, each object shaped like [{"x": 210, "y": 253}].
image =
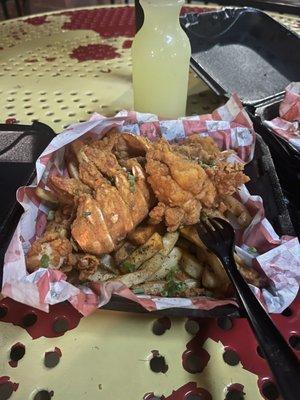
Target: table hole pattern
[
  {"x": 195, "y": 361},
  {"x": 3, "y": 311},
  {"x": 230, "y": 357},
  {"x": 225, "y": 323},
  {"x": 294, "y": 341},
  {"x": 270, "y": 391},
  {"x": 17, "y": 352},
  {"x": 6, "y": 390},
  {"x": 192, "y": 326},
  {"x": 29, "y": 320},
  {"x": 43, "y": 395},
  {"x": 161, "y": 325},
  {"x": 50, "y": 63},
  {"x": 52, "y": 358},
  {"x": 158, "y": 363},
  {"x": 60, "y": 325}
]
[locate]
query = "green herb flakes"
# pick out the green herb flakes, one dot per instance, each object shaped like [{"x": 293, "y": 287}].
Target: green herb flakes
[
  {"x": 204, "y": 165},
  {"x": 173, "y": 286},
  {"x": 138, "y": 290},
  {"x": 44, "y": 262},
  {"x": 131, "y": 179},
  {"x": 252, "y": 250},
  {"x": 128, "y": 266}
]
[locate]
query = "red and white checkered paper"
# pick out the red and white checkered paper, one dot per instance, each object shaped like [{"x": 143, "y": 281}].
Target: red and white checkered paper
[
  {"x": 287, "y": 124},
  {"x": 231, "y": 128}
]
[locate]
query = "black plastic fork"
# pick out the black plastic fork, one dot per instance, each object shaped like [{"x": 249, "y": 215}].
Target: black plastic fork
[{"x": 218, "y": 236}]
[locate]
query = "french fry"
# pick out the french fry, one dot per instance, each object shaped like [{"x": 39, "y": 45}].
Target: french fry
[
  {"x": 148, "y": 269},
  {"x": 217, "y": 277},
  {"x": 193, "y": 267},
  {"x": 213, "y": 282},
  {"x": 218, "y": 270},
  {"x": 249, "y": 273},
  {"x": 186, "y": 245},
  {"x": 209, "y": 279},
  {"x": 157, "y": 288},
  {"x": 238, "y": 210},
  {"x": 47, "y": 196},
  {"x": 76, "y": 148},
  {"x": 170, "y": 262},
  {"x": 151, "y": 288},
  {"x": 73, "y": 170},
  {"x": 201, "y": 254},
  {"x": 169, "y": 241},
  {"x": 101, "y": 275},
  {"x": 146, "y": 251},
  {"x": 123, "y": 252},
  {"x": 191, "y": 234},
  {"x": 141, "y": 234},
  {"x": 107, "y": 262}
]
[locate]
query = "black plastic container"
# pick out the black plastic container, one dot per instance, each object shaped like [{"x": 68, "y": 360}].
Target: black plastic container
[
  {"x": 244, "y": 50},
  {"x": 20, "y": 146}
]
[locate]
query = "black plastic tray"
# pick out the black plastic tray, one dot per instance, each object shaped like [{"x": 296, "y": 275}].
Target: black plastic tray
[
  {"x": 286, "y": 160},
  {"x": 25, "y": 150},
  {"x": 20, "y": 146},
  {"x": 269, "y": 112},
  {"x": 243, "y": 50}
]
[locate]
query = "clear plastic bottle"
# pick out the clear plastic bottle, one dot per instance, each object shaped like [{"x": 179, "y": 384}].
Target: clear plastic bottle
[{"x": 161, "y": 54}]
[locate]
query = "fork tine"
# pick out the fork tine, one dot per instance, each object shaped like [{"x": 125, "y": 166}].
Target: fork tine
[
  {"x": 227, "y": 227},
  {"x": 218, "y": 227},
  {"x": 202, "y": 228},
  {"x": 211, "y": 231}
]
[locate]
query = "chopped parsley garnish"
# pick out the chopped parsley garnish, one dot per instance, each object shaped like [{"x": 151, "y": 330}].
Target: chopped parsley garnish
[
  {"x": 131, "y": 179},
  {"x": 252, "y": 250},
  {"x": 128, "y": 266},
  {"x": 44, "y": 262},
  {"x": 173, "y": 286},
  {"x": 86, "y": 214},
  {"x": 51, "y": 215},
  {"x": 138, "y": 290},
  {"x": 205, "y": 165}
]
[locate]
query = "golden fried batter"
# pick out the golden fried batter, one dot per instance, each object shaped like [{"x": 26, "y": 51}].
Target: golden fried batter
[{"x": 178, "y": 183}]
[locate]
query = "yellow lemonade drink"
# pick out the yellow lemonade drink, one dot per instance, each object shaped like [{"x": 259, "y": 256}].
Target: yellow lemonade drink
[{"x": 161, "y": 54}]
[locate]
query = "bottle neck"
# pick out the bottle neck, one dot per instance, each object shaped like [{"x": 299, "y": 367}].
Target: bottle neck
[{"x": 161, "y": 14}]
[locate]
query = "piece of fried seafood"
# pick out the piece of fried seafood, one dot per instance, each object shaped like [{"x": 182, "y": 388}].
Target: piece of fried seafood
[
  {"x": 119, "y": 201},
  {"x": 199, "y": 149},
  {"x": 53, "y": 248},
  {"x": 181, "y": 186}
]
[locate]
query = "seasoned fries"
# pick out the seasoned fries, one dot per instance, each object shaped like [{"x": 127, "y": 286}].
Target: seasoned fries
[
  {"x": 192, "y": 266},
  {"x": 141, "y": 234},
  {"x": 127, "y": 213},
  {"x": 145, "y": 251},
  {"x": 47, "y": 197}
]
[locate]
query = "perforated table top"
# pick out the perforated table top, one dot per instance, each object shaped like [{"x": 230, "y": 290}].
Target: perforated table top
[{"x": 59, "y": 68}]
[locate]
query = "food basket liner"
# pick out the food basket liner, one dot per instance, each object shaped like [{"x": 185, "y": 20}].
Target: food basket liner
[
  {"x": 287, "y": 124},
  {"x": 259, "y": 245}
]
